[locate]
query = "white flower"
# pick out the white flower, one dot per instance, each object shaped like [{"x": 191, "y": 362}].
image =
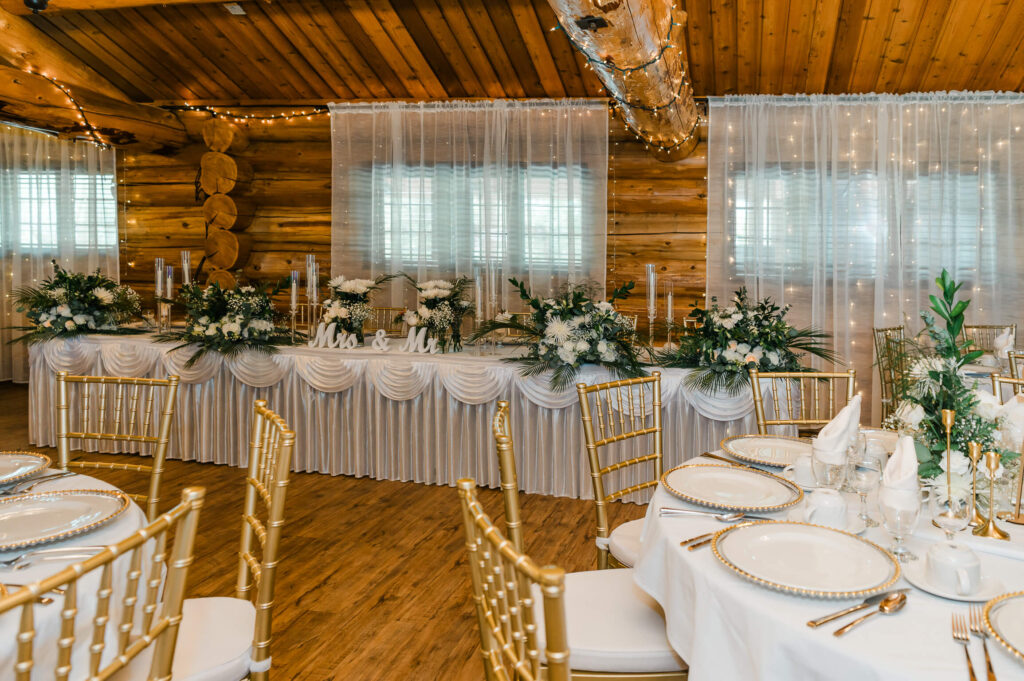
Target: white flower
[
  {"x": 960, "y": 484},
  {"x": 103, "y": 295},
  {"x": 69, "y": 325},
  {"x": 431, "y": 293},
  {"x": 728, "y": 323},
  {"x": 246, "y": 289},
  {"x": 604, "y": 306},
  {"x": 410, "y": 318},
  {"x": 503, "y": 317},
  {"x": 436, "y": 283},
  {"x": 58, "y": 293},
  {"x": 961, "y": 464},
  {"x": 204, "y": 320},
  {"x": 557, "y": 330},
  {"x": 260, "y": 325},
  {"x": 232, "y": 328},
  {"x": 566, "y": 354},
  {"x": 211, "y": 330},
  {"x": 988, "y": 406},
  {"x": 582, "y": 346},
  {"x": 48, "y": 324},
  {"x": 910, "y": 413},
  {"x": 743, "y": 348},
  {"x": 773, "y": 358},
  {"x": 423, "y": 312},
  {"x": 80, "y": 319},
  {"x": 63, "y": 310}
]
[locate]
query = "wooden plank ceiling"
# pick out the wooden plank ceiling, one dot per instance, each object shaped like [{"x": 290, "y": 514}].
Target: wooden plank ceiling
[{"x": 317, "y": 50}]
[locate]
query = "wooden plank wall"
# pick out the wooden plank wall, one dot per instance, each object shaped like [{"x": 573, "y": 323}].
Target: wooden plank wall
[{"x": 656, "y": 212}]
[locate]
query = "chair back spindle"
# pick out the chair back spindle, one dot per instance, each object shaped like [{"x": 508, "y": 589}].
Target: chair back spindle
[
  {"x": 502, "y": 429},
  {"x": 805, "y": 399}
]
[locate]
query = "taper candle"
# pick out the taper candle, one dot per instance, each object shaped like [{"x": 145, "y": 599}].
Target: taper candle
[
  {"x": 294, "y": 291},
  {"x": 186, "y": 268},
  {"x": 158, "y": 265}
]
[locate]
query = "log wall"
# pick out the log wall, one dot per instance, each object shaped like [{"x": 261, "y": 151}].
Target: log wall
[{"x": 656, "y": 211}]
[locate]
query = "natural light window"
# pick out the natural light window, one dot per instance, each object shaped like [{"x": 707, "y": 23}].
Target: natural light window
[{"x": 41, "y": 203}]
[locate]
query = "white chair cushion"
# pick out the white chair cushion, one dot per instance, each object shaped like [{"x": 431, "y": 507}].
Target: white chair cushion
[
  {"x": 613, "y": 626},
  {"x": 214, "y": 640},
  {"x": 624, "y": 542}
]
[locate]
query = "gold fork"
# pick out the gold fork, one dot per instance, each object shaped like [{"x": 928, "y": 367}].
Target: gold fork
[
  {"x": 962, "y": 635},
  {"x": 978, "y": 629}
]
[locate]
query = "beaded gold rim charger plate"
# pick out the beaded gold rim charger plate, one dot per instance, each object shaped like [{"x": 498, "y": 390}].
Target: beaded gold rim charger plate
[
  {"x": 16, "y": 466},
  {"x": 1004, "y": 617},
  {"x": 45, "y": 517},
  {"x": 806, "y": 560},
  {"x": 731, "y": 488},
  {"x": 767, "y": 450}
]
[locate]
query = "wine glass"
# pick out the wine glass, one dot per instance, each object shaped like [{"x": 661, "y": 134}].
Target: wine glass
[
  {"x": 865, "y": 473},
  {"x": 951, "y": 509},
  {"x": 901, "y": 509},
  {"x": 828, "y": 474}
]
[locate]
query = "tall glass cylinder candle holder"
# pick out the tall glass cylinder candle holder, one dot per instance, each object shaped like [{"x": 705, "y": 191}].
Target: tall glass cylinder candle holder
[
  {"x": 670, "y": 314},
  {"x": 652, "y": 299},
  {"x": 186, "y": 268},
  {"x": 158, "y": 291},
  {"x": 293, "y": 302},
  {"x": 165, "y": 308}
]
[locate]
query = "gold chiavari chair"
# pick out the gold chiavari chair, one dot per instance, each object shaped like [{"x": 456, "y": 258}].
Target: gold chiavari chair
[
  {"x": 233, "y": 635},
  {"x": 983, "y": 336},
  {"x": 809, "y": 395},
  {"x": 541, "y": 623},
  {"x": 502, "y": 430},
  {"x": 387, "y": 318},
  {"x": 156, "y": 623},
  {"x": 97, "y": 409},
  {"x": 1016, "y": 384},
  {"x": 621, "y": 411},
  {"x": 887, "y": 346},
  {"x": 1015, "y": 359}
]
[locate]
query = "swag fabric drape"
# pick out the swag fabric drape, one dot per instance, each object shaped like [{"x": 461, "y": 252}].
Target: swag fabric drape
[
  {"x": 487, "y": 190},
  {"x": 848, "y": 208},
  {"x": 57, "y": 202}
]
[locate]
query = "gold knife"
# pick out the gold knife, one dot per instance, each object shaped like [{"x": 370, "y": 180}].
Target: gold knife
[{"x": 868, "y": 602}]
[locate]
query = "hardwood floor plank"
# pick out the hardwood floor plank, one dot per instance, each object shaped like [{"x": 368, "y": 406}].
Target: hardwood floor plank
[{"x": 373, "y": 582}]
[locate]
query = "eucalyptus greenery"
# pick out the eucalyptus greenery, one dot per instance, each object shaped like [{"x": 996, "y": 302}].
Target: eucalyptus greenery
[
  {"x": 227, "y": 321},
  {"x": 729, "y": 341},
  {"x": 70, "y": 304},
  {"x": 565, "y": 332},
  {"x": 933, "y": 381}
]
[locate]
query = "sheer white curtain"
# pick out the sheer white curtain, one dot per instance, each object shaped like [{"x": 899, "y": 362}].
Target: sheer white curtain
[
  {"x": 488, "y": 190},
  {"x": 848, "y": 207},
  {"x": 58, "y": 202}
]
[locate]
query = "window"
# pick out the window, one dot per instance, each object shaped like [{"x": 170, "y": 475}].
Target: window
[
  {"x": 526, "y": 210},
  {"x": 91, "y": 201}
]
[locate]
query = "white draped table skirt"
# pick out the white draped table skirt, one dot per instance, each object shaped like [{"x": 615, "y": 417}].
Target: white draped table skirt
[{"x": 389, "y": 416}]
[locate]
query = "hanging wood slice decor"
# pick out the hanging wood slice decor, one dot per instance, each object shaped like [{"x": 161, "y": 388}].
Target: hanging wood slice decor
[
  {"x": 222, "y": 174},
  {"x": 225, "y": 212},
  {"x": 222, "y": 278},
  {"x": 221, "y": 135},
  {"x": 228, "y": 250}
]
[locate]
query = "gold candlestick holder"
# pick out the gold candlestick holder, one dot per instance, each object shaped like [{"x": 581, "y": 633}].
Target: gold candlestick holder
[
  {"x": 974, "y": 450},
  {"x": 989, "y": 528},
  {"x": 948, "y": 418}
]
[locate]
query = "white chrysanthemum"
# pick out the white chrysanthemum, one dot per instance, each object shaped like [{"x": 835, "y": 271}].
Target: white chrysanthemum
[
  {"x": 436, "y": 283},
  {"x": 423, "y": 312},
  {"x": 558, "y": 330},
  {"x": 103, "y": 295}
]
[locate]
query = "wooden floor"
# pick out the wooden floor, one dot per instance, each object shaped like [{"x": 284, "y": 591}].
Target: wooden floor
[{"x": 373, "y": 582}]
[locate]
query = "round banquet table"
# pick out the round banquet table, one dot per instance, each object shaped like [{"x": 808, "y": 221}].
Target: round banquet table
[
  {"x": 48, "y": 617},
  {"x": 728, "y": 628}
]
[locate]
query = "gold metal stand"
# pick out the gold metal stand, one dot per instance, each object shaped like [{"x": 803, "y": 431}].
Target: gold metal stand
[
  {"x": 948, "y": 417},
  {"x": 989, "y": 529},
  {"x": 974, "y": 449}
]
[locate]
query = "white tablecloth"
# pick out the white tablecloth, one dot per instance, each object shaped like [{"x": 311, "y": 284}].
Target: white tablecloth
[
  {"x": 47, "y": 617},
  {"x": 396, "y": 416},
  {"x": 728, "y": 628}
]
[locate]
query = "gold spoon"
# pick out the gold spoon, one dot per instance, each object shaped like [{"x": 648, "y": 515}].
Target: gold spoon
[{"x": 892, "y": 604}]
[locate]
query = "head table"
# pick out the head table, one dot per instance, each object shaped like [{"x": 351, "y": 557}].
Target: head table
[
  {"x": 728, "y": 628},
  {"x": 387, "y": 415}
]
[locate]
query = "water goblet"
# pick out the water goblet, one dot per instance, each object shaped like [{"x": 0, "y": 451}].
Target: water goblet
[
  {"x": 858, "y": 445},
  {"x": 901, "y": 509},
  {"x": 951, "y": 508},
  {"x": 865, "y": 474},
  {"x": 828, "y": 474}
]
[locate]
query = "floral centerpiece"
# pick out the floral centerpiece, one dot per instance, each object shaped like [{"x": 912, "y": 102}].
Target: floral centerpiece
[
  {"x": 227, "y": 321},
  {"x": 729, "y": 341},
  {"x": 570, "y": 330},
  {"x": 934, "y": 380},
  {"x": 349, "y": 304},
  {"x": 441, "y": 306},
  {"x": 71, "y": 303}
]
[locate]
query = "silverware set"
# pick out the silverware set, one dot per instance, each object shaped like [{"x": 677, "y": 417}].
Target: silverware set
[
  {"x": 29, "y": 558},
  {"x": 888, "y": 603},
  {"x": 26, "y": 485},
  {"x": 963, "y": 627},
  {"x": 724, "y": 517}
]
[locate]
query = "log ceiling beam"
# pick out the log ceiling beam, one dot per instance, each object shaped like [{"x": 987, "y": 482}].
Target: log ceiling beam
[
  {"x": 31, "y": 99},
  {"x": 18, "y": 6}
]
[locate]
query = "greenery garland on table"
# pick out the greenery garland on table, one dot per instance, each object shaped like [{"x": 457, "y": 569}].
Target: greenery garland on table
[
  {"x": 440, "y": 307},
  {"x": 70, "y": 304},
  {"x": 565, "y": 332},
  {"x": 729, "y": 341},
  {"x": 227, "y": 321},
  {"x": 934, "y": 381}
]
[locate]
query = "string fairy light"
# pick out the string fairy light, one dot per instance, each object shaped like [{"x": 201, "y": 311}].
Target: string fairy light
[
  {"x": 91, "y": 129},
  {"x": 248, "y": 117}
]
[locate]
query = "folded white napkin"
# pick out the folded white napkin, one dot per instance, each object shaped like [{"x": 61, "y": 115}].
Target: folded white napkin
[
  {"x": 1003, "y": 343},
  {"x": 900, "y": 487},
  {"x": 835, "y": 437}
]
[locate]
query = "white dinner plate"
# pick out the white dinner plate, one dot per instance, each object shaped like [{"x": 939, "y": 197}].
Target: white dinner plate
[
  {"x": 887, "y": 438},
  {"x": 15, "y": 466},
  {"x": 44, "y": 517},
  {"x": 917, "y": 574},
  {"x": 806, "y": 560},
  {"x": 732, "y": 488},
  {"x": 767, "y": 450},
  {"x": 1004, "y": 617}
]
